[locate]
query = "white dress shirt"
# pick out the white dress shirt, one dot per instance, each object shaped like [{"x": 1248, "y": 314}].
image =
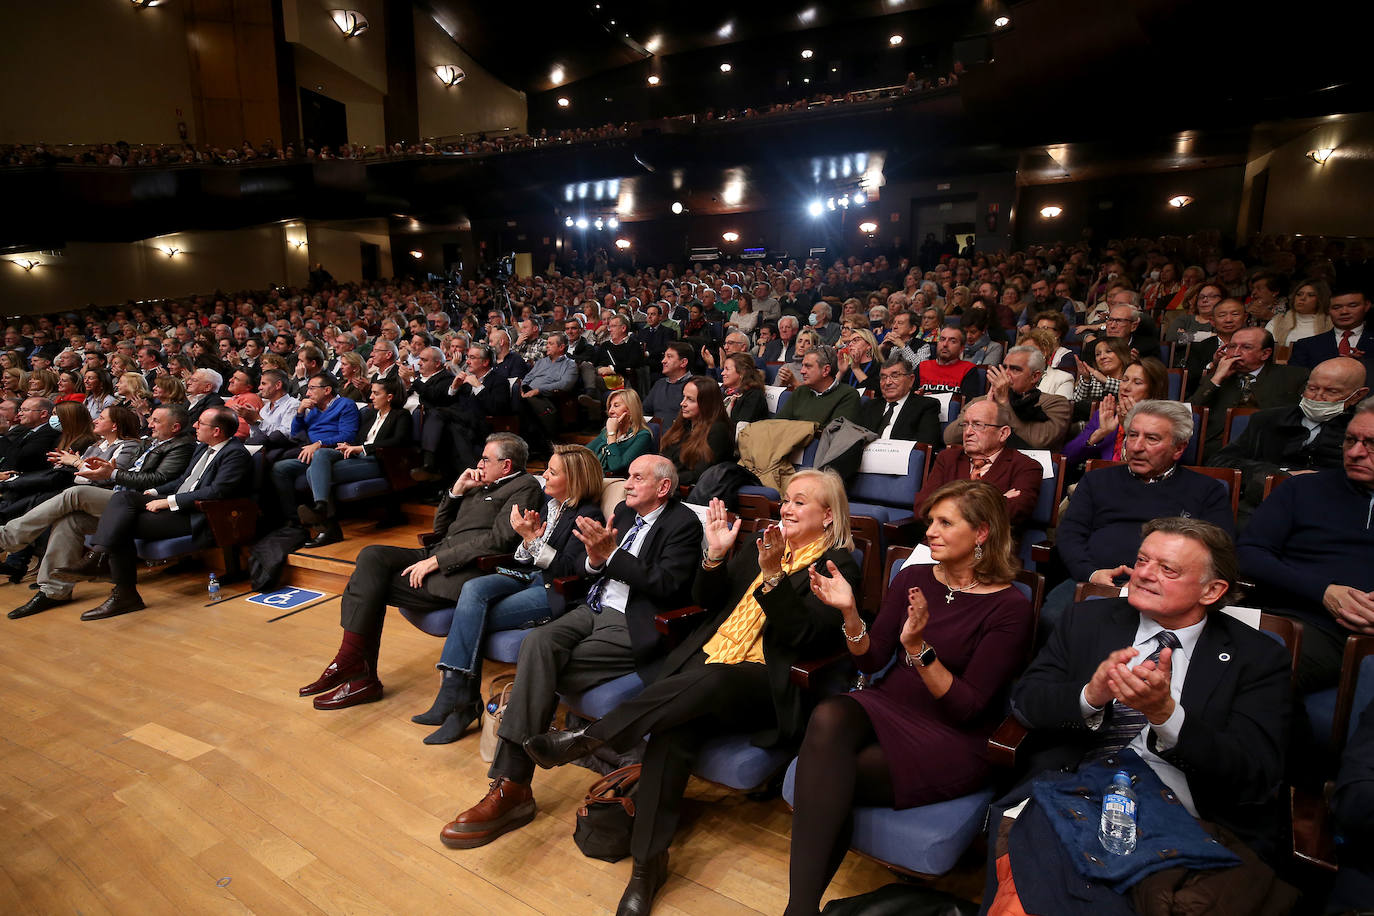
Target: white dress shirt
[{"x": 616, "y": 594}]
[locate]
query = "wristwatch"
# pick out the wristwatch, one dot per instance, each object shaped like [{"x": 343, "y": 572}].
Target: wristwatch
[{"x": 922, "y": 660}]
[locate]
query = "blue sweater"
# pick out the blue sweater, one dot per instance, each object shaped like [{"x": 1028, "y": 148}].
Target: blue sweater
[
  {"x": 1313, "y": 531},
  {"x": 337, "y": 423},
  {"x": 1101, "y": 530}
]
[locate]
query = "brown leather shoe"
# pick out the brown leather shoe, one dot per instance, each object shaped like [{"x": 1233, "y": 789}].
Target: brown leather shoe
[
  {"x": 121, "y": 601},
  {"x": 508, "y": 806},
  {"x": 334, "y": 675},
  {"x": 363, "y": 689},
  {"x": 95, "y": 565}
]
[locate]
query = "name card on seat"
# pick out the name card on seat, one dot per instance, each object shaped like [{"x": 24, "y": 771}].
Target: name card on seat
[
  {"x": 887, "y": 456},
  {"x": 771, "y": 393},
  {"x": 1042, "y": 455},
  {"x": 944, "y": 398},
  {"x": 920, "y": 556}
]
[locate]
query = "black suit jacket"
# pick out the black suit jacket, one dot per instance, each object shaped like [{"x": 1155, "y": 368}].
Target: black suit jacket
[
  {"x": 918, "y": 420},
  {"x": 396, "y": 431},
  {"x": 1310, "y": 351},
  {"x": 655, "y": 341},
  {"x": 30, "y": 448},
  {"x": 750, "y": 406},
  {"x": 159, "y": 462},
  {"x": 1275, "y": 386},
  {"x": 1277, "y": 439},
  {"x": 660, "y": 578},
  {"x": 210, "y": 400},
  {"x": 1235, "y": 702},
  {"x": 495, "y": 398},
  {"x": 434, "y": 392},
  {"x": 228, "y": 475}
]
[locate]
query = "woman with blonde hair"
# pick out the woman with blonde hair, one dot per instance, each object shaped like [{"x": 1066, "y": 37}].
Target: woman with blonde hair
[
  {"x": 731, "y": 674},
  {"x": 520, "y": 597},
  {"x": 625, "y": 436},
  {"x": 16, "y": 382},
  {"x": 354, "y": 385},
  {"x": 1309, "y": 316},
  {"x": 42, "y": 384},
  {"x": 958, "y": 632},
  {"x": 169, "y": 390},
  {"x": 859, "y": 363}
]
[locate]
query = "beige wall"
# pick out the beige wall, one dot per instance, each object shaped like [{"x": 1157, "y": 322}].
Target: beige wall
[
  {"x": 1331, "y": 199},
  {"x": 366, "y": 125},
  {"x": 480, "y": 102},
  {"x": 307, "y": 23},
  {"x": 94, "y": 71},
  {"x": 337, "y": 245}
]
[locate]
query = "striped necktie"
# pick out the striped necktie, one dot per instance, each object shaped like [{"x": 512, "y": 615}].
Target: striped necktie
[
  {"x": 1123, "y": 723},
  {"x": 594, "y": 596}
]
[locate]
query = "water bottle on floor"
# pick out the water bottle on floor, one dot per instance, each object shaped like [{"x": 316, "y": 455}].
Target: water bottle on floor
[
  {"x": 1117, "y": 829},
  {"x": 214, "y": 587}
]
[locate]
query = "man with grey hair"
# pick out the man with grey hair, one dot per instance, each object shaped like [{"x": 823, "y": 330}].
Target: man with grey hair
[
  {"x": 822, "y": 325},
  {"x": 821, "y": 396},
  {"x": 765, "y": 303},
  {"x": 202, "y": 392},
  {"x": 1038, "y": 420},
  {"x": 1125, "y": 319},
  {"x": 1099, "y": 533},
  {"x": 784, "y": 348},
  {"x": 553, "y": 373},
  {"x": 382, "y": 363},
  {"x": 640, "y": 563}
]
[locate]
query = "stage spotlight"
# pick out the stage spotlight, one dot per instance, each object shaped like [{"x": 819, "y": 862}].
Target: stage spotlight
[{"x": 815, "y": 208}]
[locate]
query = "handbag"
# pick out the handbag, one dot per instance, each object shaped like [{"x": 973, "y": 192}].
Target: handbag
[
  {"x": 501, "y": 686},
  {"x": 607, "y": 816}
]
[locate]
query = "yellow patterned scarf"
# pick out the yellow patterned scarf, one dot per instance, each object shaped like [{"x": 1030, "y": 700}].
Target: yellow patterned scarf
[{"x": 740, "y": 637}]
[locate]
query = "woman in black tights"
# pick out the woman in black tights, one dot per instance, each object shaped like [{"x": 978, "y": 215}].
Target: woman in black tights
[{"x": 959, "y": 633}]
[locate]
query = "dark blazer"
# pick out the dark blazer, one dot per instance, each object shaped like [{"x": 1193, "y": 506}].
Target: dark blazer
[
  {"x": 918, "y": 420},
  {"x": 1310, "y": 351},
  {"x": 1275, "y": 386},
  {"x": 570, "y": 554},
  {"x": 1200, "y": 356},
  {"x": 495, "y": 398},
  {"x": 798, "y": 626},
  {"x": 656, "y": 340},
  {"x": 229, "y": 475},
  {"x": 1235, "y": 701},
  {"x": 660, "y": 578},
  {"x": 210, "y": 400},
  {"x": 434, "y": 392},
  {"x": 1276, "y": 439},
  {"x": 159, "y": 462},
  {"x": 395, "y": 432},
  {"x": 30, "y": 449},
  {"x": 776, "y": 353},
  {"x": 476, "y": 524},
  {"x": 1011, "y": 471},
  {"x": 721, "y": 440},
  {"x": 750, "y": 406}
]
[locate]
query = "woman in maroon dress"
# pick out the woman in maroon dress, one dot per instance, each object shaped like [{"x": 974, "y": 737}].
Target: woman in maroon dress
[{"x": 959, "y": 633}]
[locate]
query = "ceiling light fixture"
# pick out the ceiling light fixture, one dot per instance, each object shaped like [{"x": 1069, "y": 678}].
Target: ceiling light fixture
[
  {"x": 1180, "y": 201},
  {"x": 859, "y": 198},
  {"x": 613, "y": 223},
  {"x": 563, "y": 101},
  {"x": 868, "y": 228},
  {"x": 725, "y": 67},
  {"x": 730, "y": 236},
  {"x": 599, "y": 224},
  {"x": 1002, "y": 22},
  {"x": 1051, "y": 212},
  {"x": 815, "y": 208},
  {"x": 568, "y": 222},
  {"x": 653, "y": 81},
  {"x": 449, "y": 74},
  {"x": 351, "y": 22},
  {"x": 582, "y": 223},
  {"x": 143, "y": 5},
  {"x": 895, "y": 40},
  {"x": 27, "y": 263},
  {"x": 1320, "y": 156},
  {"x": 677, "y": 206},
  {"x": 622, "y": 244},
  {"x": 416, "y": 253},
  {"x": 806, "y": 54}
]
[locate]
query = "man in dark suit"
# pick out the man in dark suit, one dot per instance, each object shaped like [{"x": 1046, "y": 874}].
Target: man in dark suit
[
  {"x": 202, "y": 392},
  {"x": 985, "y": 454},
  {"x": 149, "y": 364},
  {"x": 1296, "y": 440},
  {"x": 898, "y": 414},
  {"x": 455, "y": 423},
  {"x": 220, "y": 469},
  {"x": 1199, "y": 696},
  {"x": 783, "y": 349},
  {"x": 473, "y": 520},
  {"x": 655, "y": 335},
  {"x": 1246, "y": 376},
  {"x": 1351, "y": 335},
  {"x": 643, "y": 562},
  {"x": 31, "y": 439}
]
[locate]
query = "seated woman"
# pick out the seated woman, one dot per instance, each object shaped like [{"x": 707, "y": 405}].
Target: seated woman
[
  {"x": 168, "y": 389},
  {"x": 920, "y": 734},
  {"x": 1053, "y": 381},
  {"x": 1094, "y": 382},
  {"x": 132, "y": 391},
  {"x": 625, "y": 436},
  {"x": 859, "y": 363},
  {"x": 16, "y": 383},
  {"x": 70, "y": 387},
  {"x": 42, "y": 384},
  {"x": 730, "y": 675},
  {"x": 701, "y": 435},
  {"x": 99, "y": 391},
  {"x": 1103, "y": 437},
  {"x": 1309, "y": 316},
  {"x": 742, "y": 389},
  {"x": 353, "y": 382},
  {"x": 789, "y": 374},
  {"x": 384, "y": 422},
  {"x": 548, "y": 551}
]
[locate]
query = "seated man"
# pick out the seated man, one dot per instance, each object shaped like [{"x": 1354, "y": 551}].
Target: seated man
[
  {"x": 665, "y": 397},
  {"x": 219, "y": 469},
  {"x": 1308, "y": 548},
  {"x": 202, "y": 392},
  {"x": 551, "y": 373},
  {"x": 821, "y": 396},
  {"x": 473, "y": 520},
  {"x": 644, "y": 562},
  {"x": 1099, "y": 533},
  {"x": 323, "y": 420},
  {"x": 986, "y": 454},
  {"x": 456, "y": 424},
  {"x": 71, "y": 515},
  {"x": 899, "y": 414},
  {"x": 1351, "y": 335},
  {"x": 1246, "y": 376},
  {"x": 1200, "y": 697},
  {"x": 948, "y": 371},
  {"x": 1038, "y": 420},
  {"x": 1296, "y": 440}
]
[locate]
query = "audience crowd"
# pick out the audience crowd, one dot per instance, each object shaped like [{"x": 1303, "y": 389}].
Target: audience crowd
[{"x": 687, "y": 382}]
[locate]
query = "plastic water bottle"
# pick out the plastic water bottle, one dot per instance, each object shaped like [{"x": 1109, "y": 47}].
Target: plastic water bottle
[
  {"x": 214, "y": 587},
  {"x": 1117, "y": 829}
]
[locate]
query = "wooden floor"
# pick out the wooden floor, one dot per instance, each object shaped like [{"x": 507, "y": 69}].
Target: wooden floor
[{"x": 162, "y": 762}]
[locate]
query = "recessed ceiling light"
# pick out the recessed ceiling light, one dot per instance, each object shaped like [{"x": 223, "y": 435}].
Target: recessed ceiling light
[
  {"x": 895, "y": 40},
  {"x": 730, "y": 236},
  {"x": 568, "y": 222},
  {"x": 563, "y": 101},
  {"x": 806, "y": 54},
  {"x": 725, "y": 67},
  {"x": 677, "y": 206},
  {"x": 653, "y": 81},
  {"x": 1001, "y": 22}
]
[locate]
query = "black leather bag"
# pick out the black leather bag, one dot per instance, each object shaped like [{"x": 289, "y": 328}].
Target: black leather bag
[{"x": 607, "y": 816}]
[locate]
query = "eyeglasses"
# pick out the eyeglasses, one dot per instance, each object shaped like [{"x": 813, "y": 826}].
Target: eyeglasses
[
  {"x": 1118, "y": 321},
  {"x": 978, "y": 427},
  {"x": 1366, "y": 441}
]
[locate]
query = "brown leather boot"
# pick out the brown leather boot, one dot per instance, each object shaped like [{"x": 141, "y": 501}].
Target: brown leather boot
[{"x": 507, "y": 806}]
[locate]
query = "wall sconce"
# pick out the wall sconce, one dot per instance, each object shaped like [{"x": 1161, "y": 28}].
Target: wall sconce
[
  {"x": 868, "y": 228},
  {"x": 450, "y": 75},
  {"x": 299, "y": 243},
  {"x": 351, "y": 22},
  {"x": 1179, "y": 201},
  {"x": 417, "y": 254},
  {"x": 27, "y": 263},
  {"x": 1051, "y": 212},
  {"x": 1320, "y": 156},
  {"x": 144, "y": 4},
  {"x": 622, "y": 244},
  {"x": 730, "y": 236},
  {"x": 169, "y": 251},
  {"x": 563, "y": 102}
]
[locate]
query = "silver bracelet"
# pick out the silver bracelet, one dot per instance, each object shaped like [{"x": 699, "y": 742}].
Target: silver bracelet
[{"x": 863, "y": 631}]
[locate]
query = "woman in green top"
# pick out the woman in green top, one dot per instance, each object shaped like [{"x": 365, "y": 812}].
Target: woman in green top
[{"x": 625, "y": 437}]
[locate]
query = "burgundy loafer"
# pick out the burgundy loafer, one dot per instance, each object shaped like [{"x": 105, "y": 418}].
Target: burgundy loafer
[
  {"x": 352, "y": 693},
  {"x": 333, "y": 676}
]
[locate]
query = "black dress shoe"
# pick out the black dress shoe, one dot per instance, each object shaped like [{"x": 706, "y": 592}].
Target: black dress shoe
[
  {"x": 95, "y": 565},
  {"x": 553, "y": 749},
  {"x": 331, "y": 534},
  {"x": 37, "y": 604},
  {"x": 121, "y": 601},
  {"x": 645, "y": 881}
]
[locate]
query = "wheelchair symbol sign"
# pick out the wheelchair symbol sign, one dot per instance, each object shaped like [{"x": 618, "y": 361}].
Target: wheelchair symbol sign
[{"x": 284, "y": 598}]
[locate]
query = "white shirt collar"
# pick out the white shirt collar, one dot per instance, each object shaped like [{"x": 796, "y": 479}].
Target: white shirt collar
[{"x": 1188, "y": 636}]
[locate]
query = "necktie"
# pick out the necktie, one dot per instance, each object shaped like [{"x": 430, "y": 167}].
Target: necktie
[
  {"x": 1344, "y": 348},
  {"x": 977, "y": 467},
  {"x": 594, "y": 596},
  {"x": 1123, "y": 723},
  {"x": 193, "y": 478},
  {"x": 887, "y": 417},
  {"x": 1247, "y": 394}
]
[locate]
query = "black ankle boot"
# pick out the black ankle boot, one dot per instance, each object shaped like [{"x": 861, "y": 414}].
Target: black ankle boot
[
  {"x": 456, "y": 723},
  {"x": 455, "y": 689},
  {"x": 314, "y": 514}
]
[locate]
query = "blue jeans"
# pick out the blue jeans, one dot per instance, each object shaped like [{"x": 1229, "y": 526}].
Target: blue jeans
[
  {"x": 327, "y": 468},
  {"x": 495, "y": 601}
]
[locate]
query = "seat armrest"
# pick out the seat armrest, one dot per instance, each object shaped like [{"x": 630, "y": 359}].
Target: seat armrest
[
  {"x": 1005, "y": 742},
  {"x": 233, "y": 522},
  {"x": 488, "y": 564},
  {"x": 570, "y": 587},
  {"x": 1312, "y": 830},
  {"x": 1042, "y": 552},
  {"x": 904, "y": 532},
  {"x": 804, "y": 673},
  {"x": 397, "y": 462},
  {"x": 666, "y": 622},
  {"x": 430, "y": 538}
]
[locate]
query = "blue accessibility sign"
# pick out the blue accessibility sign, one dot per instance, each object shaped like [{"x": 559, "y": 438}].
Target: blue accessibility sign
[{"x": 286, "y": 598}]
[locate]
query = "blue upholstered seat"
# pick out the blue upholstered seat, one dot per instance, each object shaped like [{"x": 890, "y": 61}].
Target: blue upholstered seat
[
  {"x": 888, "y": 497},
  {"x": 731, "y": 760},
  {"x": 927, "y": 840},
  {"x": 351, "y": 491},
  {"x": 170, "y": 548},
  {"x": 500, "y": 645},
  {"x": 598, "y": 701}
]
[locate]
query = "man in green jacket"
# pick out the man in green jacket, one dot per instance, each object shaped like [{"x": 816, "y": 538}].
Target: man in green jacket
[{"x": 820, "y": 397}]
